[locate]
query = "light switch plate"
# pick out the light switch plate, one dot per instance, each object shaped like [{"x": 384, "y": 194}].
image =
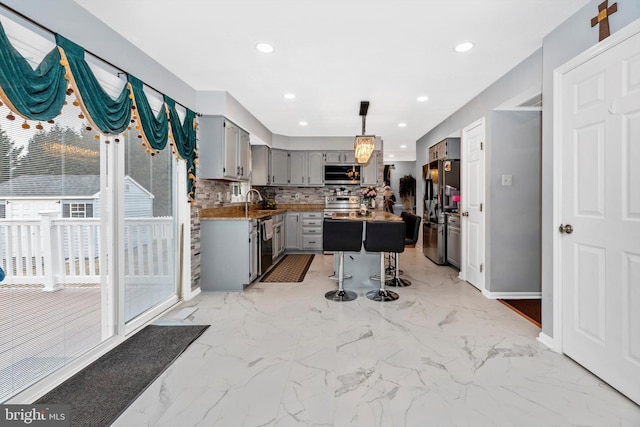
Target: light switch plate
[{"x": 507, "y": 180}]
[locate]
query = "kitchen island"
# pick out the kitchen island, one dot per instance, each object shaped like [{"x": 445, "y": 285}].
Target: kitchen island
[{"x": 362, "y": 265}]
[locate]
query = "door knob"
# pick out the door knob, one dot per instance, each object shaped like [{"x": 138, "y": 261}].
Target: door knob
[
  {"x": 566, "y": 228},
  {"x": 465, "y": 213}
]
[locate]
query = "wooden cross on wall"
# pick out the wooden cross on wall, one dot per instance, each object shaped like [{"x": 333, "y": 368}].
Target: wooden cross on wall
[{"x": 604, "y": 10}]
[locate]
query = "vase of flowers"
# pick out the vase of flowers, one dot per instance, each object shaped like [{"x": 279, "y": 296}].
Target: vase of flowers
[{"x": 369, "y": 196}]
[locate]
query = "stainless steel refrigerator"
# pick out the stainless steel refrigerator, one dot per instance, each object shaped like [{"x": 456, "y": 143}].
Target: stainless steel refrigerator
[{"x": 441, "y": 197}]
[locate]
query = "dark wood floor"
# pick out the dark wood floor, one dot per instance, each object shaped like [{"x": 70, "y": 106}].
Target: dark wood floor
[{"x": 528, "y": 308}]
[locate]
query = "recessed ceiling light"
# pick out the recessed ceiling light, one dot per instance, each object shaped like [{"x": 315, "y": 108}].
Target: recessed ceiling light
[
  {"x": 403, "y": 146},
  {"x": 303, "y": 123},
  {"x": 392, "y": 155},
  {"x": 265, "y": 48},
  {"x": 463, "y": 47},
  {"x": 423, "y": 98},
  {"x": 290, "y": 95},
  {"x": 402, "y": 125}
]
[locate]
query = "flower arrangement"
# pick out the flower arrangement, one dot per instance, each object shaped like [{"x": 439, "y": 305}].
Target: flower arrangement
[{"x": 369, "y": 192}]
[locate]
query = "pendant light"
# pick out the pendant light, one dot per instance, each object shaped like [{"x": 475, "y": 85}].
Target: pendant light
[{"x": 364, "y": 144}]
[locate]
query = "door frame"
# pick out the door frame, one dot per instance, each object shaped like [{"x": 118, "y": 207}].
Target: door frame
[
  {"x": 558, "y": 75},
  {"x": 463, "y": 224}
]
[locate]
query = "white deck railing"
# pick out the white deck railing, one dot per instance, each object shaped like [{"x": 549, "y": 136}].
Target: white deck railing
[{"x": 56, "y": 251}]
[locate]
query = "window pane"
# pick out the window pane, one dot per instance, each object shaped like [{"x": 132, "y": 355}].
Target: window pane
[{"x": 150, "y": 244}]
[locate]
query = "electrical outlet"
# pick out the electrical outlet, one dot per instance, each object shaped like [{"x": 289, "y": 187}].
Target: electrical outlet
[
  {"x": 219, "y": 197},
  {"x": 507, "y": 180}
]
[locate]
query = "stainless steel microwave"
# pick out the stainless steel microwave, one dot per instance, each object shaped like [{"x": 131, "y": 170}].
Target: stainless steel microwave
[{"x": 342, "y": 174}]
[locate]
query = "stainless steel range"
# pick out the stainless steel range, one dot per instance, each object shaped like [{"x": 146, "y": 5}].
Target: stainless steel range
[{"x": 341, "y": 206}]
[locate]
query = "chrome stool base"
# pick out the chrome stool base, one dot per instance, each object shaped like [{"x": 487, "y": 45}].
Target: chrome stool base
[
  {"x": 382, "y": 295},
  {"x": 340, "y": 295}
]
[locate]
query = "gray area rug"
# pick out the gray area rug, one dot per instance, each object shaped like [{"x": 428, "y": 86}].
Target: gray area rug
[{"x": 103, "y": 390}]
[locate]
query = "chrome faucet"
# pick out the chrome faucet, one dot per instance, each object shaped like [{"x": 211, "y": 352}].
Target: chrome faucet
[{"x": 246, "y": 201}]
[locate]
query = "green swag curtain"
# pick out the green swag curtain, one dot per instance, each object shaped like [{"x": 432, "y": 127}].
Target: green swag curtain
[
  {"x": 184, "y": 138},
  {"x": 40, "y": 94},
  {"x": 155, "y": 129},
  {"x": 34, "y": 94},
  {"x": 111, "y": 116}
]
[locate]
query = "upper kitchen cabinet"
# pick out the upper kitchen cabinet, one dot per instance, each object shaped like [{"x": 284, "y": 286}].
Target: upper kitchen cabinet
[
  {"x": 279, "y": 167},
  {"x": 306, "y": 168},
  {"x": 260, "y": 171},
  {"x": 447, "y": 149},
  {"x": 340, "y": 157},
  {"x": 369, "y": 171},
  {"x": 223, "y": 149}
]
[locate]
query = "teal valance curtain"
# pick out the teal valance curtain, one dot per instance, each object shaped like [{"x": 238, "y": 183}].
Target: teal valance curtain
[
  {"x": 184, "y": 137},
  {"x": 111, "y": 116},
  {"x": 155, "y": 129},
  {"x": 34, "y": 94},
  {"x": 40, "y": 95}
]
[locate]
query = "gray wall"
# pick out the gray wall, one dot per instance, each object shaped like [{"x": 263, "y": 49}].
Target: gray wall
[
  {"x": 574, "y": 36},
  {"x": 515, "y": 210},
  {"x": 401, "y": 169},
  {"x": 521, "y": 79}
]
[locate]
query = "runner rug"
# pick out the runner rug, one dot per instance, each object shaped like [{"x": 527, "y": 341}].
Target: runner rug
[
  {"x": 292, "y": 268},
  {"x": 99, "y": 393}
]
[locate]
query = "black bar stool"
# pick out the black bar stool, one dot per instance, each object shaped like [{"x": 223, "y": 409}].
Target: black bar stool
[
  {"x": 411, "y": 237},
  {"x": 384, "y": 236},
  {"x": 340, "y": 235}
]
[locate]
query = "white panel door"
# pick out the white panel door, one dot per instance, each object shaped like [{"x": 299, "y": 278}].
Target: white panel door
[
  {"x": 473, "y": 141},
  {"x": 600, "y": 213}
]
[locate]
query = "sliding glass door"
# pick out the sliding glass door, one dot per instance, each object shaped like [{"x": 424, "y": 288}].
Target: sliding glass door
[{"x": 87, "y": 230}]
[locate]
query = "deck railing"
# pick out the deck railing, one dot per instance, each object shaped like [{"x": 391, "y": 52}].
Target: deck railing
[{"x": 54, "y": 252}]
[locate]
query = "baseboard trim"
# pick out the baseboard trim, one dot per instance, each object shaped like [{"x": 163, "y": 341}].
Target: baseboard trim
[
  {"x": 512, "y": 295},
  {"x": 549, "y": 342}
]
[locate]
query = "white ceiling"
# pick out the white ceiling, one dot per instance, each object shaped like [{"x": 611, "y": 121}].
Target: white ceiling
[{"x": 332, "y": 54}]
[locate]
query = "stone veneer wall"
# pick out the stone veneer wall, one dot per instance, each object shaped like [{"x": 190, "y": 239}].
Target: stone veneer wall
[{"x": 207, "y": 189}]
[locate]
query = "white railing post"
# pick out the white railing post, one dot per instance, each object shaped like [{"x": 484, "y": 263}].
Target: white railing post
[{"x": 51, "y": 251}]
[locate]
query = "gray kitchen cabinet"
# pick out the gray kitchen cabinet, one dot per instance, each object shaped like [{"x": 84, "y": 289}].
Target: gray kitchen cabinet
[
  {"x": 454, "y": 241},
  {"x": 306, "y": 168},
  {"x": 223, "y": 149},
  {"x": 315, "y": 168},
  {"x": 311, "y": 232},
  {"x": 293, "y": 227},
  {"x": 340, "y": 157},
  {"x": 279, "y": 167},
  {"x": 447, "y": 149},
  {"x": 229, "y": 253},
  {"x": 369, "y": 171},
  {"x": 298, "y": 167},
  {"x": 260, "y": 172}
]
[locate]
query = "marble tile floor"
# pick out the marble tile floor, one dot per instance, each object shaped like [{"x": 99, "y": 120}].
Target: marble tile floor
[{"x": 279, "y": 354}]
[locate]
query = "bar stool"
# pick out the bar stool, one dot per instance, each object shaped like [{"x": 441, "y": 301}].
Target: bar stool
[
  {"x": 340, "y": 235},
  {"x": 384, "y": 236},
  {"x": 411, "y": 237}
]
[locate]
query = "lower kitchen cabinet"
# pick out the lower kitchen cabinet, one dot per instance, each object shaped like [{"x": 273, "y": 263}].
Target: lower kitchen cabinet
[
  {"x": 292, "y": 227},
  {"x": 228, "y": 252},
  {"x": 304, "y": 231},
  {"x": 311, "y": 230}
]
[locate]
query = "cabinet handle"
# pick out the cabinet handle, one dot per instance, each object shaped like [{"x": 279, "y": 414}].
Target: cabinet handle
[{"x": 242, "y": 171}]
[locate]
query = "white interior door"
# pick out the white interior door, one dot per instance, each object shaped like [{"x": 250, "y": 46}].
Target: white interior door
[
  {"x": 473, "y": 142},
  {"x": 599, "y": 130}
]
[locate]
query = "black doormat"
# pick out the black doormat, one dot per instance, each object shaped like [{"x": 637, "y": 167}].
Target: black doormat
[
  {"x": 99, "y": 393},
  {"x": 291, "y": 268},
  {"x": 530, "y": 309}
]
